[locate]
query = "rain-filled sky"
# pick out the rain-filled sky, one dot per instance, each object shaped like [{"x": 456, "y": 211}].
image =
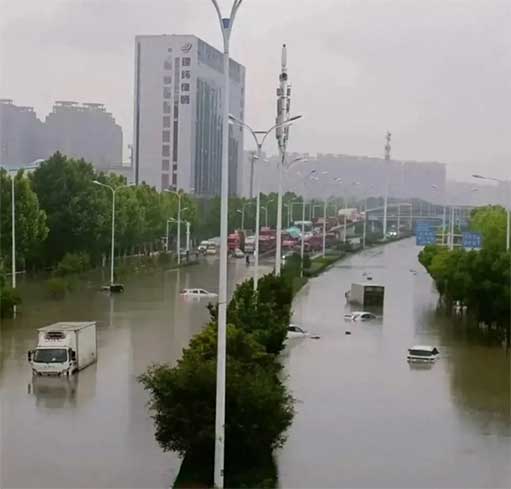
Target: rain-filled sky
[{"x": 436, "y": 73}]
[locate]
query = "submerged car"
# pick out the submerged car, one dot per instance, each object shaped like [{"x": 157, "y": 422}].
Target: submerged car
[
  {"x": 198, "y": 293},
  {"x": 360, "y": 316},
  {"x": 422, "y": 353},
  {"x": 294, "y": 331}
]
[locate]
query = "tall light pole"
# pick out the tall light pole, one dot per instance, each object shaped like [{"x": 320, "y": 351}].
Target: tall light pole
[
  {"x": 31, "y": 166},
  {"x": 242, "y": 211},
  {"x": 282, "y": 135},
  {"x": 386, "y": 196},
  {"x": 265, "y": 209},
  {"x": 114, "y": 191},
  {"x": 259, "y": 145},
  {"x": 508, "y": 221},
  {"x": 179, "y": 195},
  {"x": 226, "y": 24},
  {"x": 306, "y": 178},
  {"x": 436, "y": 189}
]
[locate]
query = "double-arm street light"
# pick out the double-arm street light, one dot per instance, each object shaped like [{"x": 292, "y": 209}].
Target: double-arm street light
[
  {"x": 179, "y": 195},
  {"x": 114, "y": 191},
  {"x": 311, "y": 175},
  {"x": 226, "y": 24},
  {"x": 242, "y": 212},
  {"x": 507, "y": 204},
  {"x": 259, "y": 139}
]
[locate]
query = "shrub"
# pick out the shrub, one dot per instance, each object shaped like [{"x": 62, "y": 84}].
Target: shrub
[
  {"x": 57, "y": 287},
  {"x": 9, "y": 298},
  {"x": 73, "y": 263}
]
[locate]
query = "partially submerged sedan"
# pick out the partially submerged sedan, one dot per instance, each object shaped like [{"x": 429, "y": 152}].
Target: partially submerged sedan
[
  {"x": 422, "y": 353},
  {"x": 359, "y": 316}
]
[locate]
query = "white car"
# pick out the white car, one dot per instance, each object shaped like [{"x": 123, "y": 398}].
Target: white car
[
  {"x": 422, "y": 353},
  {"x": 360, "y": 316},
  {"x": 198, "y": 293},
  {"x": 294, "y": 331}
]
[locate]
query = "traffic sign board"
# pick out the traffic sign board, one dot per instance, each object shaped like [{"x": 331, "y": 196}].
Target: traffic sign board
[
  {"x": 424, "y": 234},
  {"x": 472, "y": 240}
]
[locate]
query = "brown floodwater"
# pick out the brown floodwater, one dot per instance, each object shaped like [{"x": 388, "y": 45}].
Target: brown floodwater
[
  {"x": 94, "y": 431},
  {"x": 365, "y": 417}
]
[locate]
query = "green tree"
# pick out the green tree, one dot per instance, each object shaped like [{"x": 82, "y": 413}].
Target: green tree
[
  {"x": 258, "y": 408},
  {"x": 31, "y": 228},
  {"x": 78, "y": 212},
  {"x": 490, "y": 221}
]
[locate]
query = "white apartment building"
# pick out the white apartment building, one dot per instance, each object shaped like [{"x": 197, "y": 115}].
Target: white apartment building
[{"x": 177, "y": 137}]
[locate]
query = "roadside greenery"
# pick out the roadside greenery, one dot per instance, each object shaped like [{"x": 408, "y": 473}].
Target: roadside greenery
[
  {"x": 258, "y": 407},
  {"x": 479, "y": 279}
]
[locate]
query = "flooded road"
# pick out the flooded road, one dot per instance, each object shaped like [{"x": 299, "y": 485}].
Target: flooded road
[
  {"x": 365, "y": 417},
  {"x": 94, "y": 430}
]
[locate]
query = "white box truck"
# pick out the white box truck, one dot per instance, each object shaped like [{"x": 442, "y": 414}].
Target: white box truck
[
  {"x": 64, "y": 348},
  {"x": 367, "y": 294}
]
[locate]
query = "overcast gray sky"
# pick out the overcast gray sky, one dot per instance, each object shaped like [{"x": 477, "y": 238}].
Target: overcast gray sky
[{"x": 437, "y": 73}]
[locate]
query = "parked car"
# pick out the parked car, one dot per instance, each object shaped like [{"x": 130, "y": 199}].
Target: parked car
[
  {"x": 238, "y": 253},
  {"x": 198, "y": 293}
]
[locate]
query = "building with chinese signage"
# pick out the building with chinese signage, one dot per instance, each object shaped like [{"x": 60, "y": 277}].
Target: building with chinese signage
[{"x": 177, "y": 137}]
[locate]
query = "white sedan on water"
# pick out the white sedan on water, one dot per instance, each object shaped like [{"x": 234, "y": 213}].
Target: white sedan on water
[
  {"x": 294, "y": 331},
  {"x": 359, "y": 316},
  {"x": 198, "y": 293}
]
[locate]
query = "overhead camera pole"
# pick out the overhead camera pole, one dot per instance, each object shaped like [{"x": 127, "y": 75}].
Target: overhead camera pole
[{"x": 282, "y": 135}]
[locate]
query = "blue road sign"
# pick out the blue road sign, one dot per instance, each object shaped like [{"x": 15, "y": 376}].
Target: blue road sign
[
  {"x": 424, "y": 234},
  {"x": 472, "y": 240}
]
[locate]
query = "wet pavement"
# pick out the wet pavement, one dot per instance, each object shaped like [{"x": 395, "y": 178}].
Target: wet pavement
[
  {"x": 365, "y": 417},
  {"x": 94, "y": 431}
]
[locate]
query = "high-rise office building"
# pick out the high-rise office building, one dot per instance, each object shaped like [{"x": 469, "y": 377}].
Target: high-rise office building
[{"x": 177, "y": 140}]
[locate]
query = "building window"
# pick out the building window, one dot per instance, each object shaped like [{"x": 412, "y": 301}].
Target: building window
[
  {"x": 167, "y": 92},
  {"x": 166, "y": 107},
  {"x": 166, "y": 121},
  {"x": 185, "y": 87},
  {"x": 186, "y": 74},
  {"x": 167, "y": 80},
  {"x": 186, "y": 61},
  {"x": 165, "y": 136},
  {"x": 165, "y": 165},
  {"x": 165, "y": 150},
  {"x": 164, "y": 180},
  {"x": 185, "y": 99}
]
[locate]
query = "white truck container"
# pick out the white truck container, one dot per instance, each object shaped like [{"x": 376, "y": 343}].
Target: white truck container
[
  {"x": 64, "y": 348},
  {"x": 250, "y": 244},
  {"x": 367, "y": 294}
]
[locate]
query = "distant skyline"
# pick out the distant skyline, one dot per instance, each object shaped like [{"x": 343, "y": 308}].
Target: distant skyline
[{"x": 435, "y": 73}]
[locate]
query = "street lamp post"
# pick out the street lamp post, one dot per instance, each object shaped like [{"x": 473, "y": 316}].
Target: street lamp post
[
  {"x": 306, "y": 178},
  {"x": 114, "y": 191},
  {"x": 226, "y": 24},
  {"x": 265, "y": 209},
  {"x": 31, "y": 166},
  {"x": 179, "y": 195},
  {"x": 508, "y": 221},
  {"x": 259, "y": 145}
]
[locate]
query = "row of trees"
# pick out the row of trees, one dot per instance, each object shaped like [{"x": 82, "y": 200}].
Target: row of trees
[
  {"x": 258, "y": 406},
  {"x": 59, "y": 210},
  {"x": 479, "y": 279}
]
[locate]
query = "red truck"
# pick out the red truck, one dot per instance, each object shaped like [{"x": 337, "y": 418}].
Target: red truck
[{"x": 236, "y": 241}]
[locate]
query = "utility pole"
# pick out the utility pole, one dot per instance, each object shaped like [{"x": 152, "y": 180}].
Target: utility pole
[{"x": 386, "y": 198}]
